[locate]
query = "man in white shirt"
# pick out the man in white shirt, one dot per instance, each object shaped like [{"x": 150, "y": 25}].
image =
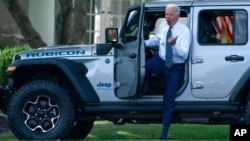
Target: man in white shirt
[{"x": 173, "y": 39}]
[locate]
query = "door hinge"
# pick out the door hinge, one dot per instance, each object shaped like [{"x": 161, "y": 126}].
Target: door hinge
[
  {"x": 197, "y": 85},
  {"x": 197, "y": 60},
  {"x": 116, "y": 85}
]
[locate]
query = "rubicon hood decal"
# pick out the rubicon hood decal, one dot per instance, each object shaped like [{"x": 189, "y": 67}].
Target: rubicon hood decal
[
  {"x": 75, "y": 51},
  {"x": 56, "y": 53}
]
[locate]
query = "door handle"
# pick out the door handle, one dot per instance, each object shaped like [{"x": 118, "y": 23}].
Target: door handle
[
  {"x": 132, "y": 55},
  {"x": 234, "y": 58}
]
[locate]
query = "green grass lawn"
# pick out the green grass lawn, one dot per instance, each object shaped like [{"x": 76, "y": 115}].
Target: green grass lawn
[{"x": 104, "y": 130}]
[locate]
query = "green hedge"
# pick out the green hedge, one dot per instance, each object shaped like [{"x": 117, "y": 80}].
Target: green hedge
[{"x": 6, "y": 55}]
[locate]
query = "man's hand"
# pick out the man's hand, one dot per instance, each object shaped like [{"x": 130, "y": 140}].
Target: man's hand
[{"x": 172, "y": 40}]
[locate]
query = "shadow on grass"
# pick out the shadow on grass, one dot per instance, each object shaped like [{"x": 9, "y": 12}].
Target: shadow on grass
[{"x": 105, "y": 130}]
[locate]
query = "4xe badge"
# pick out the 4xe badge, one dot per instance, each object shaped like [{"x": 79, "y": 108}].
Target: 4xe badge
[{"x": 239, "y": 132}]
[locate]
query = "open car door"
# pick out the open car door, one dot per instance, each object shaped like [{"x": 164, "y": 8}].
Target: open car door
[{"x": 130, "y": 62}]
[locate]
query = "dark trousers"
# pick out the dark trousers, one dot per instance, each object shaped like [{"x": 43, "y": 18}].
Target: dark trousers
[{"x": 156, "y": 65}]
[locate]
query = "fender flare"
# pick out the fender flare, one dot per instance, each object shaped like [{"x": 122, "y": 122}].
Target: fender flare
[
  {"x": 240, "y": 88},
  {"x": 75, "y": 74}
]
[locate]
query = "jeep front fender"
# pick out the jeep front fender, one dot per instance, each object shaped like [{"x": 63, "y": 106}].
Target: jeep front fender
[{"x": 73, "y": 72}]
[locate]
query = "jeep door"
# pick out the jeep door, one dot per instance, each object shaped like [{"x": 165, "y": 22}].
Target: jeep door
[
  {"x": 220, "y": 55},
  {"x": 130, "y": 63}
]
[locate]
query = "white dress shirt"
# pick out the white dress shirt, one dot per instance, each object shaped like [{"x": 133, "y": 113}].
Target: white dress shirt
[{"x": 180, "y": 49}]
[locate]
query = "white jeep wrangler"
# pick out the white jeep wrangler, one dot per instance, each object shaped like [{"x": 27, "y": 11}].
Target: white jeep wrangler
[{"x": 58, "y": 92}]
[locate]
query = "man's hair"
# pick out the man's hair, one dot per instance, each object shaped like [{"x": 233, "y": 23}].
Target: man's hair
[{"x": 176, "y": 6}]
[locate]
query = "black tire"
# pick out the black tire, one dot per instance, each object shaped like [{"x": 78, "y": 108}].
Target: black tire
[
  {"x": 41, "y": 110},
  {"x": 80, "y": 130}
]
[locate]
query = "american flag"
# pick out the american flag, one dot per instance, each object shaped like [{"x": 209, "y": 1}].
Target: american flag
[{"x": 225, "y": 23}]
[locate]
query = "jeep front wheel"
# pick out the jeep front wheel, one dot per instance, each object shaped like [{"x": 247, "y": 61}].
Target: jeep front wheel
[{"x": 41, "y": 110}]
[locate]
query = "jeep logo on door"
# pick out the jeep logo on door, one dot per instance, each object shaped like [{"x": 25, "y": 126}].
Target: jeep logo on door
[{"x": 104, "y": 86}]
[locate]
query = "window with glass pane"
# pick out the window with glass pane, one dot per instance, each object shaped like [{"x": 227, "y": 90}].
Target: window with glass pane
[
  {"x": 241, "y": 27},
  {"x": 222, "y": 27},
  {"x": 132, "y": 26}
]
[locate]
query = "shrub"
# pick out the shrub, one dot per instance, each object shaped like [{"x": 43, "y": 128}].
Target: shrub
[
  {"x": 5, "y": 59},
  {"x": 2, "y": 45}
]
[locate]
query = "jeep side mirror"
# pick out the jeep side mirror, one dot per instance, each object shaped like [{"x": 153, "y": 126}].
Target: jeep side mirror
[{"x": 111, "y": 35}]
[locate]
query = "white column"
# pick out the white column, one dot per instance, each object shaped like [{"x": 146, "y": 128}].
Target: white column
[
  {"x": 42, "y": 17},
  {"x": 105, "y": 19}
]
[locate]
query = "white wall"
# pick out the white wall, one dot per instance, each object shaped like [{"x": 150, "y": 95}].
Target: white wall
[{"x": 42, "y": 17}]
